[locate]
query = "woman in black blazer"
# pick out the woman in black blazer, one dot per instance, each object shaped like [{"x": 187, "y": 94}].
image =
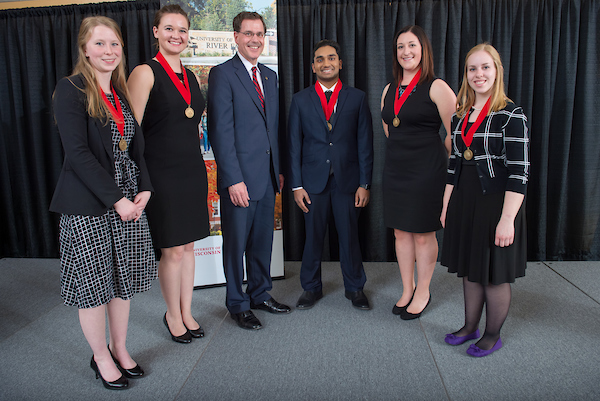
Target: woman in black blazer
[{"x": 105, "y": 245}]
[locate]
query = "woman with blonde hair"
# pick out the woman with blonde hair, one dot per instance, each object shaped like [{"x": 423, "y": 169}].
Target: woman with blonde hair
[
  {"x": 485, "y": 238},
  {"x": 105, "y": 245}
]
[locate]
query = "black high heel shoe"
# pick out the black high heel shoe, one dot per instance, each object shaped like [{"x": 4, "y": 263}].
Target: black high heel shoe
[
  {"x": 185, "y": 338},
  {"x": 133, "y": 373},
  {"x": 197, "y": 333},
  {"x": 120, "y": 384}
]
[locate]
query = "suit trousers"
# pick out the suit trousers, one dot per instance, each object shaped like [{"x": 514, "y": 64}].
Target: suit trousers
[
  {"x": 345, "y": 215},
  {"x": 247, "y": 230}
]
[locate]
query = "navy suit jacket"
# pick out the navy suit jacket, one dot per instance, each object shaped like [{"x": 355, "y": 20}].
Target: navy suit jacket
[
  {"x": 313, "y": 148},
  {"x": 86, "y": 185},
  {"x": 243, "y": 136}
]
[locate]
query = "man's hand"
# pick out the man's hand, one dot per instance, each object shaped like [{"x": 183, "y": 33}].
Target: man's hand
[
  {"x": 281, "y": 182},
  {"x": 238, "y": 193},
  {"x": 361, "y": 198},
  {"x": 301, "y": 196}
]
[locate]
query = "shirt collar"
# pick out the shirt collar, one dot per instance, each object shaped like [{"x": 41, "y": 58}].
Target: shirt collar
[
  {"x": 248, "y": 64},
  {"x": 328, "y": 89}
]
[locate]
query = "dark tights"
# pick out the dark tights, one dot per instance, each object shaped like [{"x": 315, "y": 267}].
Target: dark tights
[{"x": 497, "y": 303}]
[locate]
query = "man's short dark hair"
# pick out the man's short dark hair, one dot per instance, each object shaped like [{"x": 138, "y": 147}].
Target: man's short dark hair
[
  {"x": 237, "y": 21},
  {"x": 327, "y": 42}
]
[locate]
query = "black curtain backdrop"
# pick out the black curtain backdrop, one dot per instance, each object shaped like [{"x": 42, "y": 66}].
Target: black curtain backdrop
[
  {"x": 550, "y": 52},
  {"x": 38, "y": 46},
  {"x": 551, "y": 57}
]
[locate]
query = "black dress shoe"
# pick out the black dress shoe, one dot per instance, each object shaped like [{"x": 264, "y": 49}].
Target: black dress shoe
[
  {"x": 308, "y": 299},
  {"x": 359, "y": 299},
  {"x": 134, "y": 373},
  {"x": 120, "y": 384},
  {"x": 410, "y": 316},
  {"x": 197, "y": 333},
  {"x": 272, "y": 306},
  {"x": 247, "y": 320},
  {"x": 185, "y": 338}
]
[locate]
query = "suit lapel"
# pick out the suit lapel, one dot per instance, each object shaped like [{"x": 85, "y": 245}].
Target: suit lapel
[
  {"x": 106, "y": 136},
  {"x": 316, "y": 101},
  {"x": 247, "y": 83}
]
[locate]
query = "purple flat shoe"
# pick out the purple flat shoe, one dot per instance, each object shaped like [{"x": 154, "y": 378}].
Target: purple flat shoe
[
  {"x": 455, "y": 340},
  {"x": 478, "y": 352}
]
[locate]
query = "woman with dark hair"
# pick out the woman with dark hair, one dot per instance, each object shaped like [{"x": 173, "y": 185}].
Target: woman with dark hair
[
  {"x": 167, "y": 102},
  {"x": 485, "y": 238},
  {"x": 413, "y": 108},
  {"x": 105, "y": 246}
]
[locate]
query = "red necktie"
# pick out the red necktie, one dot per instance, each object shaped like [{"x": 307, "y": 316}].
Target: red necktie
[{"x": 257, "y": 86}]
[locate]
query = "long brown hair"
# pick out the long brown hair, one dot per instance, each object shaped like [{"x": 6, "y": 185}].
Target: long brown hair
[
  {"x": 96, "y": 107},
  {"x": 466, "y": 95},
  {"x": 427, "y": 73}
]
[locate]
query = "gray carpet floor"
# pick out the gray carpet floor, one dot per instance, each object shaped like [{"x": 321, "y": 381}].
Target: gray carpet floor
[{"x": 331, "y": 352}]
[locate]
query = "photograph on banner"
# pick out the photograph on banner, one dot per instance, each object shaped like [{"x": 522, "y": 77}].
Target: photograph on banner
[{"x": 210, "y": 43}]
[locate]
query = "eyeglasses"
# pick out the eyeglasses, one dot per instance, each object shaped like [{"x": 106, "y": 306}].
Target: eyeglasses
[{"x": 249, "y": 34}]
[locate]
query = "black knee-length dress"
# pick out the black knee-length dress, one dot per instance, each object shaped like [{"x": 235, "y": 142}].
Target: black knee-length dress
[
  {"x": 177, "y": 211},
  {"x": 414, "y": 173},
  {"x": 500, "y": 163}
]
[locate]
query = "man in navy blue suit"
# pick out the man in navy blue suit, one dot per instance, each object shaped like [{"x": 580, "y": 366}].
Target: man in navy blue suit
[
  {"x": 330, "y": 139},
  {"x": 243, "y": 117}
]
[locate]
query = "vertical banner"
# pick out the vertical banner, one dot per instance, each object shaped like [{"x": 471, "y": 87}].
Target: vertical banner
[{"x": 211, "y": 43}]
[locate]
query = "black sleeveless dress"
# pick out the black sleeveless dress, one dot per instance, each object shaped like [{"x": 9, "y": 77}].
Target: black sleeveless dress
[
  {"x": 414, "y": 173},
  {"x": 177, "y": 211}
]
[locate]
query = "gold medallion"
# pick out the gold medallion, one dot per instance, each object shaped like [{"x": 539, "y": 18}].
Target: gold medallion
[
  {"x": 189, "y": 112},
  {"x": 329, "y": 126},
  {"x": 396, "y": 122},
  {"x": 468, "y": 154},
  {"x": 123, "y": 144}
]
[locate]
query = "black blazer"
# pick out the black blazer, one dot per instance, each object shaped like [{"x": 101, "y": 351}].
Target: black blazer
[{"x": 86, "y": 185}]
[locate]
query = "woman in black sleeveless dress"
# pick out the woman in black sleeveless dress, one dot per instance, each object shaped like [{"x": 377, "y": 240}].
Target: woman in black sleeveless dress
[
  {"x": 167, "y": 101},
  {"x": 415, "y": 163},
  {"x": 485, "y": 238}
]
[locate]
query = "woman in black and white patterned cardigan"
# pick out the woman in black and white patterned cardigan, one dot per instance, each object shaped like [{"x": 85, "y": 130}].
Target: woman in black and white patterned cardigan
[{"x": 485, "y": 239}]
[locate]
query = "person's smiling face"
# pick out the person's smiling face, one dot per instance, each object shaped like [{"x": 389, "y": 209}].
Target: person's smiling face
[
  {"x": 481, "y": 72},
  {"x": 327, "y": 65},
  {"x": 409, "y": 51},
  {"x": 251, "y": 39},
  {"x": 103, "y": 49},
  {"x": 172, "y": 33}
]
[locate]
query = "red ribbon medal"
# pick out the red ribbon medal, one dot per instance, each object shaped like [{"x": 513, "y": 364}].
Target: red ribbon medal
[
  {"x": 328, "y": 106},
  {"x": 398, "y": 103},
  {"x": 117, "y": 115},
  {"x": 468, "y": 139},
  {"x": 184, "y": 89}
]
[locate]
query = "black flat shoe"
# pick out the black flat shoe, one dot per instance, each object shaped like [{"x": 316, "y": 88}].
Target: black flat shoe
[
  {"x": 185, "y": 338},
  {"x": 197, "y": 333},
  {"x": 404, "y": 315},
  {"x": 120, "y": 384},
  {"x": 133, "y": 373},
  {"x": 396, "y": 310}
]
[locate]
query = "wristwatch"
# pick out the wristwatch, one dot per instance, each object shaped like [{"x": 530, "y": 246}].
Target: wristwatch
[{"x": 365, "y": 186}]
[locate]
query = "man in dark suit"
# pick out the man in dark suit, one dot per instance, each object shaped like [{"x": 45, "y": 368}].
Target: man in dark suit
[
  {"x": 243, "y": 117},
  {"x": 330, "y": 139}
]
